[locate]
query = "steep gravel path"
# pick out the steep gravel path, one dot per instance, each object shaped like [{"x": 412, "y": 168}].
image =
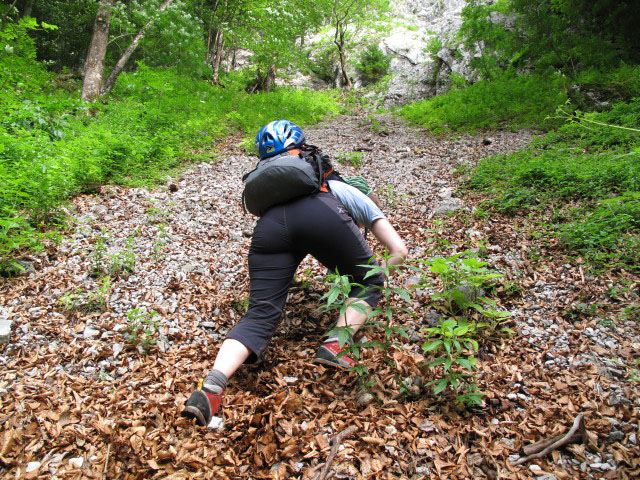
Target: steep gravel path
[{"x": 76, "y": 386}]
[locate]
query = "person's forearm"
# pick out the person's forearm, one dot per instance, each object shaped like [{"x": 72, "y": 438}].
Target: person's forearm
[{"x": 387, "y": 235}]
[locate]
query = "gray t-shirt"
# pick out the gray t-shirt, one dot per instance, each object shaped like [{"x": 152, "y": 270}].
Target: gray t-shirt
[{"x": 361, "y": 208}]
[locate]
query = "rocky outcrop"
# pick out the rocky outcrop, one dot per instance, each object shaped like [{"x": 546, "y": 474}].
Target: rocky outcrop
[{"x": 424, "y": 50}]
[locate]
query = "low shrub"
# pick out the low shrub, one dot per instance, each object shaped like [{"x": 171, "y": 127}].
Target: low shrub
[
  {"x": 513, "y": 102},
  {"x": 53, "y": 146},
  {"x": 373, "y": 64},
  {"x": 587, "y": 172}
]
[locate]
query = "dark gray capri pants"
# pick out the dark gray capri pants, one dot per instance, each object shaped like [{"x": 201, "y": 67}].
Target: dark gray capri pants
[{"x": 316, "y": 224}]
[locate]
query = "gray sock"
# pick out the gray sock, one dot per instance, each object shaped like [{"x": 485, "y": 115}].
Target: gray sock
[{"x": 215, "y": 381}]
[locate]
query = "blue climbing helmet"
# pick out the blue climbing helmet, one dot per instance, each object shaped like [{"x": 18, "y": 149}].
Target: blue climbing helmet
[{"x": 278, "y": 136}]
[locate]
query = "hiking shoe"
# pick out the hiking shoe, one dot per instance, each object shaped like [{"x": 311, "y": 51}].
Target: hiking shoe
[
  {"x": 202, "y": 405},
  {"x": 327, "y": 354}
]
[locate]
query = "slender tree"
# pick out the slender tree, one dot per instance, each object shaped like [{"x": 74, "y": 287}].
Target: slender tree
[
  {"x": 348, "y": 17},
  {"x": 94, "y": 63},
  {"x": 124, "y": 58}
]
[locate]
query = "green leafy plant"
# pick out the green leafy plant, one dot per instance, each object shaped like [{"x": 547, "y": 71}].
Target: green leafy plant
[
  {"x": 354, "y": 159},
  {"x": 123, "y": 263},
  {"x": 71, "y": 300},
  {"x": 458, "y": 293},
  {"x": 389, "y": 193},
  {"x": 453, "y": 338},
  {"x": 159, "y": 242},
  {"x": 380, "y": 319},
  {"x": 15, "y": 234},
  {"x": 99, "y": 254},
  {"x": 98, "y": 301},
  {"x": 143, "y": 328},
  {"x": 373, "y": 64},
  {"x": 240, "y": 304}
]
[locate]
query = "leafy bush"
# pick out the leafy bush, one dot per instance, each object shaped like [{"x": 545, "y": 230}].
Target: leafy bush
[
  {"x": 516, "y": 102},
  {"x": 53, "y": 146},
  {"x": 325, "y": 65},
  {"x": 588, "y": 171},
  {"x": 373, "y": 64},
  {"x": 614, "y": 84}
]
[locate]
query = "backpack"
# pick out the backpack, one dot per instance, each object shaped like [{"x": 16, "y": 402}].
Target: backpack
[{"x": 286, "y": 177}]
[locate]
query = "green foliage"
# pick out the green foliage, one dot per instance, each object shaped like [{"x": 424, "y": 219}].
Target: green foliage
[
  {"x": 457, "y": 292},
  {"x": 466, "y": 319},
  {"x": 567, "y": 35},
  {"x": 609, "y": 85},
  {"x": 64, "y": 48},
  {"x": 391, "y": 196},
  {"x": 512, "y": 102},
  {"x": 324, "y": 65},
  {"x": 588, "y": 172},
  {"x": 53, "y": 146},
  {"x": 143, "y": 328},
  {"x": 373, "y": 64},
  {"x": 354, "y": 159}
]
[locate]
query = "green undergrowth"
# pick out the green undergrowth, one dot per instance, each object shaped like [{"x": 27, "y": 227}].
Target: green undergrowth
[
  {"x": 509, "y": 102},
  {"x": 54, "y": 146},
  {"x": 583, "y": 178}
]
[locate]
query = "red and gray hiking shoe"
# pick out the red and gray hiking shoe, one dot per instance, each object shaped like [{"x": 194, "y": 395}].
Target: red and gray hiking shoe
[
  {"x": 327, "y": 354},
  {"x": 202, "y": 405}
]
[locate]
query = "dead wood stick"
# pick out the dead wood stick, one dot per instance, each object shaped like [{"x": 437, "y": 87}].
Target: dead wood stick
[
  {"x": 335, "y": 445},
  {"x": 542, "y": 444},
  {"x": 571, "y": 436},
  {"x": 106, "y": 463}
]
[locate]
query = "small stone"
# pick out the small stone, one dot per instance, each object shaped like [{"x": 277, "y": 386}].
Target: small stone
[
  {"x": 365, "y": 398},
  {"x": 616, "y": 436},
  {"x": 601, "y": 466},
  {"x": 298, "y": 466},
  {"x": 546, "y": 476},
  {"x": 428, "y": 426},
  {"x": 514, "y": 458},
  {"x": 76, "y": 462},
  {"x": 163, "y": 343},
  {"x": 5, "y": 330},
  {"x": 633, "y": 439},
  {"x": 32, "y": 466},
  {"x": 216, "y": 423},
  {"x": 208, "y": 324},
  {"x": 99, "y": 210},
  {"x": 535, "y": 468},
  {"x": 423, "y": 470},
  {"x": 90, "y": 332},
  {"x": 508, "y": 442},
  {"x": 116, "y": 349},
  {"x": 291, "y": 379}
]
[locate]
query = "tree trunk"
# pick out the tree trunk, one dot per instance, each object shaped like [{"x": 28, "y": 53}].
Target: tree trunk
[
  {"x": 27, "y": 8},
  {"x": 218, "y": 45},
  {"x": 122, "y": 61},
  {"x": 270, "y": 79},
  {"x": 338, "y": 39},
  {"x": 94, "y": 63},
  {"x": 264, "y": 83}
]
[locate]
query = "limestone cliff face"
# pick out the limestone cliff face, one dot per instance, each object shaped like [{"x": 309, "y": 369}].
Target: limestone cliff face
[{"x": 424, "y": 51}]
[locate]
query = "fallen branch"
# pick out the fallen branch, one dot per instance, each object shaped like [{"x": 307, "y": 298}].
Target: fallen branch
[
  {"x": 106, "y": 463},
  {"x": 577, "y": 433},
  {"x": 335, "y": 445}
]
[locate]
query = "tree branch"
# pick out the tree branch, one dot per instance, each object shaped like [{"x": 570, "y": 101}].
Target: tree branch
[
  {"x": 540, "y": 449},
  {"x": 335, "y": 445}
]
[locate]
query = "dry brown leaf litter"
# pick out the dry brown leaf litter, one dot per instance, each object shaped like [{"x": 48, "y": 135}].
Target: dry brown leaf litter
[{"x": 78, "y": 400}]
